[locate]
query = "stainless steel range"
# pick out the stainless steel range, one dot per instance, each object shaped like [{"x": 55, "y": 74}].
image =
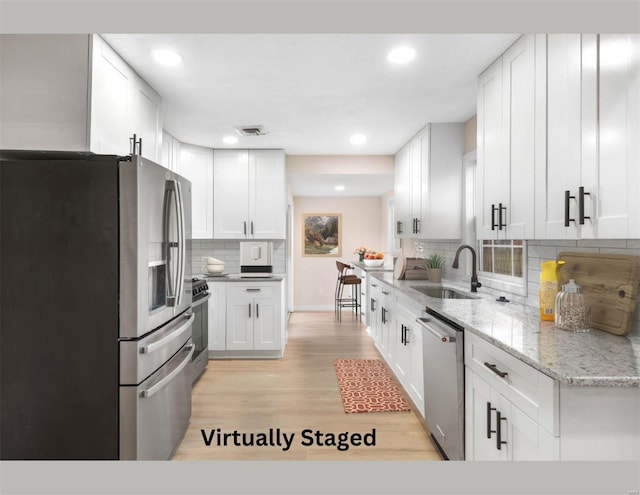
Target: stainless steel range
[{"x": 200, "y": 328}]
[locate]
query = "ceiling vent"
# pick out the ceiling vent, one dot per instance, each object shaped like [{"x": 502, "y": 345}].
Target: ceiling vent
[{"x": 251, "y": 130}]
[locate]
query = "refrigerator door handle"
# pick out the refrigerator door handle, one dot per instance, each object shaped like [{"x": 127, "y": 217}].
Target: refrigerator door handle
[
  {"x": 172, "y": 278},
  {"x": 167, "y": 379},
  {"x": 158, "y": 344},
  {"x": 182, "y": 242}
]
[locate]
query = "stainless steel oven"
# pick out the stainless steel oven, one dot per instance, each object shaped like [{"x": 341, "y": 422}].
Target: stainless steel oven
[{"x": 200, "y": 328}]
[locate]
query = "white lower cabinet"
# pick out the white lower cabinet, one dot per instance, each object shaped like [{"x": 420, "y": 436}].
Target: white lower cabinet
[
  {"x": 515, "y": 412},
  {"x": 398, "y": 338},
  {"x": 250, "y": 320}
]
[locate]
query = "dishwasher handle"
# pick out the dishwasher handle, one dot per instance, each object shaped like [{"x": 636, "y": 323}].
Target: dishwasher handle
[{"x": 434, "y": 328}]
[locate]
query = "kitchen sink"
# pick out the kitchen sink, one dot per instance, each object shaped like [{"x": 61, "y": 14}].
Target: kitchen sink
[{"x": 442, "y": 293}]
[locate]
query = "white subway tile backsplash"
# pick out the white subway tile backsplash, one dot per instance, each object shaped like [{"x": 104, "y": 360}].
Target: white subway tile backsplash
[
  {"x": 229, "y": 252},
  {"x": 544, "y": 252},
  {"x": 603, "y": 243}
]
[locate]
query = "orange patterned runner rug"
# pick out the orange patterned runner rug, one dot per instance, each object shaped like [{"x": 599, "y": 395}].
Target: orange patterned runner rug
[{"x": 367, "y": 386}]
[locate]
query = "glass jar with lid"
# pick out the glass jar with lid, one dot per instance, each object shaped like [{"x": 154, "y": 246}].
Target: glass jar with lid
[{"x": 572, "y": 309}]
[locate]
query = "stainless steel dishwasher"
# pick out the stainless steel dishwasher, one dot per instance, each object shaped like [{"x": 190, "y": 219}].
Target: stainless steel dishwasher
[{"x": 443, "y": 347}]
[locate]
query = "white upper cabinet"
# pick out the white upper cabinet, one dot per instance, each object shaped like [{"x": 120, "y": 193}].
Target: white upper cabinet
[
  {"x": 506, "y": 125},
  {"x": 402, "y": 191},
  {"x": 588, "y": 160},
  {"x": 611, "y": 175},
  {"x": 249, "y": 194},
  {"x": 122, "y": 105},
  {"x": 196, "y": 165},
  {"x": 170, "y": 152},
  {"x": 74, "y": 93},
  {"x": 428, "y": 183}
]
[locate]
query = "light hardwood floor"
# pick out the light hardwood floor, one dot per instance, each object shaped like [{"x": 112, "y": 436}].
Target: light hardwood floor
[{"x": 298, "y": 392}]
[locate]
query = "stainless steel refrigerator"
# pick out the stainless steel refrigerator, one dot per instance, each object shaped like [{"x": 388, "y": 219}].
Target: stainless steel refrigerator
[{"x": 95, "y": 294}]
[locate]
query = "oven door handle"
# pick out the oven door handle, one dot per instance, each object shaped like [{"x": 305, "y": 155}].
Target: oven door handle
[
  {"x": 165, "y": 381},
  {"x": 177, "y": 333}
]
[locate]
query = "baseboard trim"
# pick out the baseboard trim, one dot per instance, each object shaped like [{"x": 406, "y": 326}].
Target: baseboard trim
[{"x": 313, "y": 308}]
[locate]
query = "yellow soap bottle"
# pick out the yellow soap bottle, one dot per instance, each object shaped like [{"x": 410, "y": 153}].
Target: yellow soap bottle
[{"x": 548, "y": 288}]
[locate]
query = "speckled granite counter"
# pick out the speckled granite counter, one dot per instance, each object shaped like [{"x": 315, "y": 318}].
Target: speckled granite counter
[
  {"x": 370, "y": 269},
  {"x": 235, "y": 277},
  {"x": 594, "y": 358}
]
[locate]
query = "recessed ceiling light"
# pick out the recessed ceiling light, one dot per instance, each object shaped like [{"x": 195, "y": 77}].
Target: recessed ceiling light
[
  {"x": 401, "y": 55},
  {"x": 230, "y": 140},
  {"x": 167, "y": 57},
  {"x": 339, "y": 188},
  {"x": 358, "y": 139}
]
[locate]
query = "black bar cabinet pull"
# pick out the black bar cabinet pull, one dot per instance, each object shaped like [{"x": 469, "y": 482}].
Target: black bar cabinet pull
[
  {"x": 499, "y": 441},
  {"x": 406, "y": 335},
  {"x": 567, "y": 201},
  {"x": 135, "y": 145},
  {"x": 581, "y": 195},
  {"x": 373, "y": 304},
  {"x": 417, "y": 221},
  {"x": 489, "y": 409},
  {"x": 493, "y": 368},
  {"x": 384, "y": 314},
  {"x": 249, "y": 310},
  {"x": 245, "y": 228},
  {"x": 493, "y": 217},
  {"x": 500, "y": 208},
  {"x": 251, "y": 227},
  {"x": 399, "y": 227},
  {"x": 257, "y": 311}
]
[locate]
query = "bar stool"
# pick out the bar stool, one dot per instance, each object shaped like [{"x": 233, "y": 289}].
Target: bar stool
[{"x": 344, "y": 279}]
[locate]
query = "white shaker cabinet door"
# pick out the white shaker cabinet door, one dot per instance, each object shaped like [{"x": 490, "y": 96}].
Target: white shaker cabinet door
[
  {"x": 490, "y": 175},
  {"x": 196, "y": 164},
  {"x": 267, "y": 194},
  {"x": 518, "y": 94},
  {"x": 231, "y": 194},
  {"x": 111, "y": 101},
  {"x": 611, "y": 136},
  {"x": 402, "y": 192},
  {"x": 240, "y": 323},
  {"x": 267, "y": 328}
]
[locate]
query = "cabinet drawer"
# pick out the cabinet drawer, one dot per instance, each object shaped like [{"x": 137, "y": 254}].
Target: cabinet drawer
[
  {"x": 533, "y": 392},
  {"x": 253, "y": 290}
]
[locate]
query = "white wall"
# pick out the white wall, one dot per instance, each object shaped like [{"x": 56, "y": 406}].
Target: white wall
[{"x": 314, "y": 278}]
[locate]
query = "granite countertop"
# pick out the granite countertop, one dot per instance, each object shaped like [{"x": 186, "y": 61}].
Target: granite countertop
[
  {"x": 594, "y": 358},
  {"x": 235, "y": 277},
  {"x": 369, "y": 269}
]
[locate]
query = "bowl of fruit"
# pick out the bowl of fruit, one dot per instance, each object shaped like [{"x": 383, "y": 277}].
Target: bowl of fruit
[{"x": 373, "y": 259}]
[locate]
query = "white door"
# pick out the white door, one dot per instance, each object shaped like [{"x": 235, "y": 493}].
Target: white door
[
  {"x": 558, "y": 152},
  {"x": 231, "y": 194},
  {"x": 196, "y": 165},
  {"x": 267, "y": 333},
  {"x": 518, "y": 96},
  {"x": 480, "y": 420},
  {"x": 402, "y": 192},
  {"x": 490, "y": 176},
  {"x": 267, "y": 194},
  {"x": 611, "y": 174},
  {"x": 240, "y": 317}
]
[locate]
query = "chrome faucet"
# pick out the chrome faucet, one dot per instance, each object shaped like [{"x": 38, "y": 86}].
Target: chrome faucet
[{"x": 474, "y": 275}]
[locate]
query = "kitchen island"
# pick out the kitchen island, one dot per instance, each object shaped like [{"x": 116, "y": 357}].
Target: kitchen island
[{"x": 563, "y": 395}]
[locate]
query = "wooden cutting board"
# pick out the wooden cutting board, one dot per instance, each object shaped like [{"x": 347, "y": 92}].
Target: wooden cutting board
[{"x": 611, "y": 281}]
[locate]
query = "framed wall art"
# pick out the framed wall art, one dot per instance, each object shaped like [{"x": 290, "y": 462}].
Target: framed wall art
[{"x": 322, "y": 234}]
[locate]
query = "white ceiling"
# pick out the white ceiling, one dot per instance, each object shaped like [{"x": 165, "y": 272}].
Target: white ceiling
[{"x": 312, "y": 91}]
